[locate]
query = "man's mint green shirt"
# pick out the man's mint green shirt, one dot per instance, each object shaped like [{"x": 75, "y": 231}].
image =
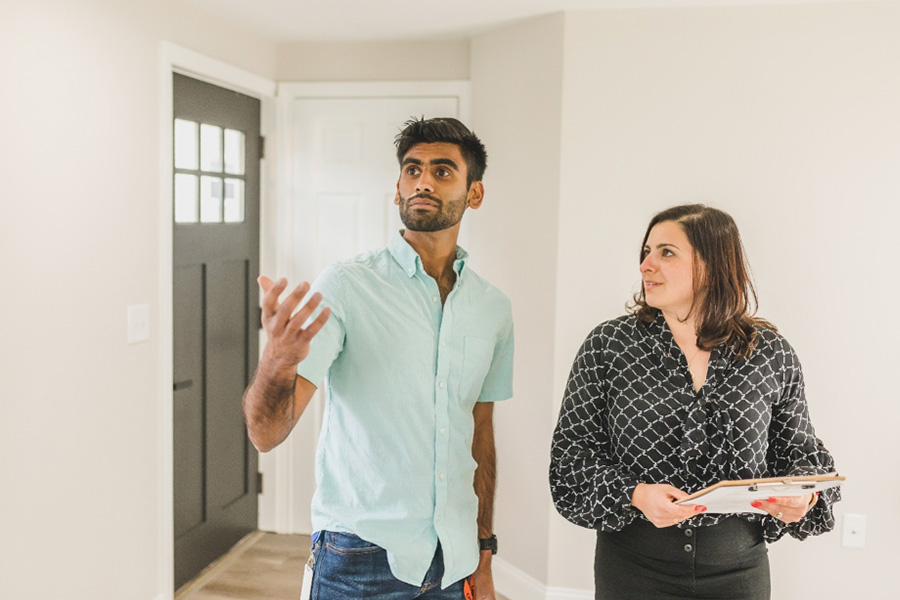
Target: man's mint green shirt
[{"x": 402, "y": 376}]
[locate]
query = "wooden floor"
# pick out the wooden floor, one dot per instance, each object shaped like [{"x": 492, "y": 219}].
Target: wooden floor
[{"x": 262, "y": 566}]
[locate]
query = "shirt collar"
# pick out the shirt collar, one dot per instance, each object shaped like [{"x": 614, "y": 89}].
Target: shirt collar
[
  {"x": 665, "y": 344},
  {"x": 410, "y": 261}
]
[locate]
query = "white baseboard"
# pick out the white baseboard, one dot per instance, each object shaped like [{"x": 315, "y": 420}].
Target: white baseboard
[{"x": 516, "y": 584}]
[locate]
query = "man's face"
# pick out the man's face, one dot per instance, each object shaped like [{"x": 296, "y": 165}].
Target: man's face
[{"x": 432, "y": 191}]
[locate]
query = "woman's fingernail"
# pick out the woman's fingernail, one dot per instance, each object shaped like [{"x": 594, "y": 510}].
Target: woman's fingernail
[
  {"x": 698, "y": 508},
  {"x": 756, "y": 504},
  {"x": 772, "y": 500}
]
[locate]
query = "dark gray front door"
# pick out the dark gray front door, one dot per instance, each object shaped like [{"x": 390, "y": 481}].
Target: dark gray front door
[{"x": 216, "y": 262}]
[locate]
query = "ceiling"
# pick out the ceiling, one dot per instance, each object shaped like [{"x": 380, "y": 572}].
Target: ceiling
[{"x": 375, "y": 20}]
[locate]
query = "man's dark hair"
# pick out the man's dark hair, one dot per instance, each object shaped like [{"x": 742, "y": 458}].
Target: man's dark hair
[{"x": 444, "y": 130}]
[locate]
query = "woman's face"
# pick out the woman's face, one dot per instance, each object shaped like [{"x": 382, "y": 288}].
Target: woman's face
[{"x": 668, "y": 269}]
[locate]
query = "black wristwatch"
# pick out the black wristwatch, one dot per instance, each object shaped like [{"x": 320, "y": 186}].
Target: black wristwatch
[{"x": 488, "y": 544}]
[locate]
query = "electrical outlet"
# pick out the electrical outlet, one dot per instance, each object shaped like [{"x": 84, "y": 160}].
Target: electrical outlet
[
  {"x": 854, "y": 531},
  {"x": 138, "y": 323}
]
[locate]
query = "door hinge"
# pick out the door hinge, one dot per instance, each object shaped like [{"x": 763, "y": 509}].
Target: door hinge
[
  {"x": 259, "y": 482},
  {"x": 262, "y": 147}
]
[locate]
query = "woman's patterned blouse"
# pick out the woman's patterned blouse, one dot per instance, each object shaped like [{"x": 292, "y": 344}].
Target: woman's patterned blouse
[{"x": 630, "y": 415}]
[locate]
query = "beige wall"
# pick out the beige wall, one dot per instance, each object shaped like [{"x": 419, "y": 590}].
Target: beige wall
[
  {"x": 79, "y": 426},
  {"x": 516, "y": 103},
  {"x": 374, "y": 61}
]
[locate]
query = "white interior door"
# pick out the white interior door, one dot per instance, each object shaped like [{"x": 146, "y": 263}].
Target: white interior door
[{"x": 343, "y": 172}]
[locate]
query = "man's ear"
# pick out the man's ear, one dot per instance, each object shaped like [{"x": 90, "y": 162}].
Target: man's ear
[
  {"x": 397, "y": 195},
  {"x": 476, "y": 194}
]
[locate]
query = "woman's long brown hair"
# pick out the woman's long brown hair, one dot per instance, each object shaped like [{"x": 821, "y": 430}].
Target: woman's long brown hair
[{"x": 724, "y": 297}]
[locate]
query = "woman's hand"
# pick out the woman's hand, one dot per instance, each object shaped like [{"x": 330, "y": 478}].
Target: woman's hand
[
  {"x": 657, "y": 502},
  {"x": 788, "y": 509}
]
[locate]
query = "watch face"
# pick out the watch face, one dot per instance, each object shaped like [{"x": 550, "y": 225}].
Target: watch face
[{"x": 488, "y": 544}]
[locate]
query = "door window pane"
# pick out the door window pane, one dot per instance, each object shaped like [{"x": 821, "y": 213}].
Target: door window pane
[
  {"x": 210, "y": 148},
  {"x": 210, "y": 200},
  {"x": 234, "y": 200},
  {"x": 234, "y": 152},
  {"x": 186, "y": 144},
  {"x": 185, "y": 198}
]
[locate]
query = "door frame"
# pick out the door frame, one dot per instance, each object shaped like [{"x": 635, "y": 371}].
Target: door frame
[
  {"x": 276, "y": 508},
  {"x": 177, "y": 59}
]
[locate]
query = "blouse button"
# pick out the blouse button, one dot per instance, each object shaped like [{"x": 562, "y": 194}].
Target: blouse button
[
  {"x": 688, "y": 547},
  {"x": 688, "y": 532}
]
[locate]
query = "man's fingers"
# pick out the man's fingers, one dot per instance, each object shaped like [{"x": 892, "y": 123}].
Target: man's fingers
[
  {"x": 264, "y": 283},
  {"x": 310, "y": 332},
  {"x": 290, "y": 303},
  {"x": 301, "y": 316},
  {"x": 271, "y": 291}
]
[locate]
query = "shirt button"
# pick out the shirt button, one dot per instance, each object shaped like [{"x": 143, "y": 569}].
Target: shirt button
[
  {"x": 411, "y": 270},
  {"x": 688, "y": 532},
  {"x": 441, "y": 384},
  {"x": 438, "y": 518},
  {"x": 688, "y": 547},
  {"x": 443, "y": 431},
  {"x": 434, "y": 298},
  {"x": 443, "y": 342},
  {"x": 441, "y": 476}
]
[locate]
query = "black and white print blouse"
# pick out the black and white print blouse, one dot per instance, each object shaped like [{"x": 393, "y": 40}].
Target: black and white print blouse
[{"x": 630, "y": 415}]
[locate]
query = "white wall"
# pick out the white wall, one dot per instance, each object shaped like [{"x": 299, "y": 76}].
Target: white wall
[
  {"x": 514, "y": 240},
  {"x": 374, "y": 61},
  {"x": 79, "y": 426},
  {"x": 787, "y": 118},
  {"x": 784, "y": 116}
]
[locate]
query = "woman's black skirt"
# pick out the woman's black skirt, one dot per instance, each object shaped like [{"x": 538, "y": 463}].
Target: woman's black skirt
[{"x": 727, "y": 561}]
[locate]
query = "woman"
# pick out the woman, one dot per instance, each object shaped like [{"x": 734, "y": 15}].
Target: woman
[{"x": 689, "y": 390}]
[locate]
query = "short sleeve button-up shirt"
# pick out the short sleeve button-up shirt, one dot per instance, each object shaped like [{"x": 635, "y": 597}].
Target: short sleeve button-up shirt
[{"x": 403, "y": 373}]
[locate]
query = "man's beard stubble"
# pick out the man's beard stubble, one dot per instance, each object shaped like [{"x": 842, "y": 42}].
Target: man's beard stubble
[{"x": 436, "y": 220}]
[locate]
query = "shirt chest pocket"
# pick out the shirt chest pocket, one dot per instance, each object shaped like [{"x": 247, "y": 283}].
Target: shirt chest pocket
[{"x": 477, "y": 356}]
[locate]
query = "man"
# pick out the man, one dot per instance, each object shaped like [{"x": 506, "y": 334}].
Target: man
[{"x": 416, "y": 348}]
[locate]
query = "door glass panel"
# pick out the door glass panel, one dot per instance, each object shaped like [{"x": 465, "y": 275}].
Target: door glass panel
[
  {"x": 234, "y": 200},
  {"x": 210, "y": 148},
  {"x": 210, "y": 200},
  {"x": 185, "y": 198},
  {"x": 186, "y": 144},
  {"x": 234, "y": 152}
]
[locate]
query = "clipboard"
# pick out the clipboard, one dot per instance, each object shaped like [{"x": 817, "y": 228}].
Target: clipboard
[{"x": 736, "y": 496}]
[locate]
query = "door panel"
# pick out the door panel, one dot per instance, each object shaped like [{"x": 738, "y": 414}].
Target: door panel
[{"x": 216, "y": 256}]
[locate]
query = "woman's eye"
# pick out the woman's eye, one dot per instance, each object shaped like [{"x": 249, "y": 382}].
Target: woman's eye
[{"x": 667, "y": 252}]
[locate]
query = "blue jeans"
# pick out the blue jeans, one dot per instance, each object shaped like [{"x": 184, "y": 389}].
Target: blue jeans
[{"x": 349, "y": 568}]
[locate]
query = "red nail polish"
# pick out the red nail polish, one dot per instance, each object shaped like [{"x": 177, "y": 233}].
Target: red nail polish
[
  {"x": 772, "y": 500},
  {"x": 756, "y": 504},
  {"x": 698, "y": 508}
]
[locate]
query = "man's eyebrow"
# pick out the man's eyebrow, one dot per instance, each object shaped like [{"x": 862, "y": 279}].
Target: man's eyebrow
[{"x": 436, "y": 161}]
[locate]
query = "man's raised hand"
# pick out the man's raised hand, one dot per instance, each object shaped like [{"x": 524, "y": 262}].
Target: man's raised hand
[{"x": 288, "y": 339}]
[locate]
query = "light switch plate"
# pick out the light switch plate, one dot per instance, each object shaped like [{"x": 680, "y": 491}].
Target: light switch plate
[
  {"x": 854, "y": 531},
  {"x": 138, "y": 323}
]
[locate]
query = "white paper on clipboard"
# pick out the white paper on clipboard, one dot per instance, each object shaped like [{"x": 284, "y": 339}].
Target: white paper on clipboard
[{"x": 728, "y": 497}]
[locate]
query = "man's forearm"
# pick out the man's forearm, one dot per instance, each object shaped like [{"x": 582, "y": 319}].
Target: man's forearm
[
  {"x": 269, "y": 404},
  {"x": 485, "y": 456}
]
